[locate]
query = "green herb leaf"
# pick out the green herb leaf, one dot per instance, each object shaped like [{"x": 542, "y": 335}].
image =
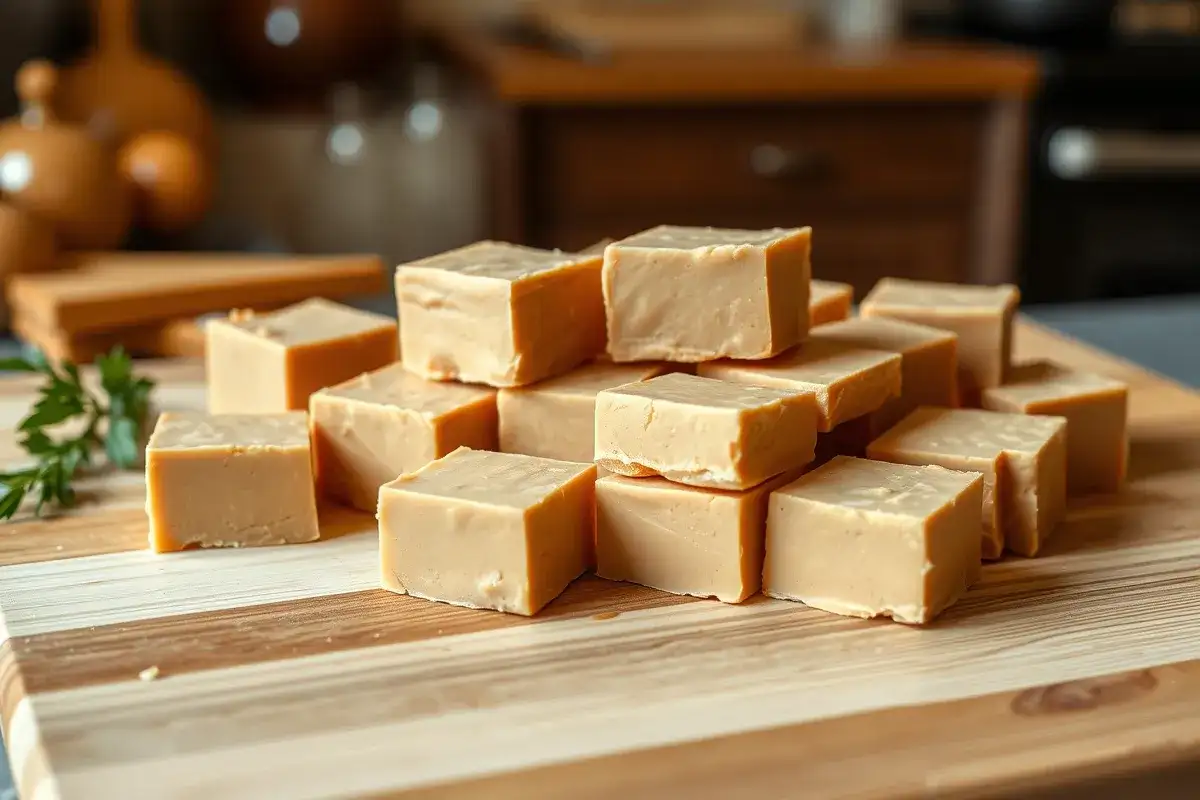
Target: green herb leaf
[
  {"x": 71, "y": 460},
  {"x": 138, "y": 399},
  {"x": 82, "y": 452},
  {"x": 10, "y": 501},
  {"x": 20, "y": 477},
  {"x": 47, "y": 492},
  {"x": 51, "y": 409},
  {"x": 116, "y": 406},
  {"x": 121, "y": 445},
  {"x": 17, "y": 365},
  {"x": 63, "y": 397},
  {"x": 62, "y": 483},
  {"x": 116, "y": 370},
  {"x": 37, "y": 443}
]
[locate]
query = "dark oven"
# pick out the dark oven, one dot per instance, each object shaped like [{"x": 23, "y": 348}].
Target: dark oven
[
  {"x": 1113, "y": 201},
  {"x": 1113, "y": 208}
]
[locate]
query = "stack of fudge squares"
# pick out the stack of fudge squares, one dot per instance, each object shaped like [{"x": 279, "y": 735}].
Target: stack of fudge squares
[{"x": 688, "y": 411}]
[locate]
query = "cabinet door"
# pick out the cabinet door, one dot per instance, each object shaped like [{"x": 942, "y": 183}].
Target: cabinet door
[
  {"x": 889, "y": 190},
  {"x": 679, "y": 162}
]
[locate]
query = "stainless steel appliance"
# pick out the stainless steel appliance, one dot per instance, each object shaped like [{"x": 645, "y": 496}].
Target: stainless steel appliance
[
  {"x": 1113, "y": 204},
  {"x": 1113, "y": 195}
]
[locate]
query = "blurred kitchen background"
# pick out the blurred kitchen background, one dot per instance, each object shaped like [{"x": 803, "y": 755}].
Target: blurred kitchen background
[
  {"x": 1053, "y": 143},
  {"x": 1050, "y": 143}
]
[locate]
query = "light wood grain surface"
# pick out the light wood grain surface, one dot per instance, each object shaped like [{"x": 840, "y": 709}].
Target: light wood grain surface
[{"x": 283, "y": 672}]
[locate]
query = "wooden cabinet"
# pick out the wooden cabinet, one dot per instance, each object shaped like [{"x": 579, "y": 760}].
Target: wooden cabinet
[
  {"x": 887, "y": 190},
  {"x": 906, "y": 165},
  {"x": 768, "y": 159}
]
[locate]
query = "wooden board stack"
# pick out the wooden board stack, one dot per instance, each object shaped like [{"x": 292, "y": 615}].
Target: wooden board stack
[
  {"x": 829, "y": 464},
  {"x": 149, "y": 302}
]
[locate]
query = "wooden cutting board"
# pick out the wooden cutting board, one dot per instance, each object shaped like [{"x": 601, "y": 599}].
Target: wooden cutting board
[
  {"x": 285, "y": 672},
  {"x": 177, "y": 338},
  {"x": 102, "y": 291}
]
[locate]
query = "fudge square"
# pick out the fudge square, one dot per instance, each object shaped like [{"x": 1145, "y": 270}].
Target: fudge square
[
  {"x": 372, "y": 428},
  {"x": 488, "y": 530},
  {"x": 988, "y": 461},
  {"x": 929, "y": 362},
  {"x": 866, "y": 539},
  {"x": 682, "y": 539},
  {"x": 981, "y": 316},
  {"x": 828, "y": 301},
  {"x": 229, "y": 480},
  {"x": 696, "y": 294},
  {"x": 1023, "y": 458},
  {"x": 848, "y": 381},
  {"x": 268, "y": 363},
  {"x": 1095, "y": 409},
  {"x": 499, "y": 313},
  {"x": 556, "y": 418},
  {"x": 704, "y": 432}
]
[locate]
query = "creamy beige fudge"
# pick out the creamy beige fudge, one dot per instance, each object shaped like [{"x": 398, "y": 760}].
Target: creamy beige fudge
[
  {"x": 989, "y": 462},
  {"x": 268, "y": 363},
  {"x": 1095, "y": 409},
  {"x": 868, "y": 539},
  {"x": 557, "y": 418},
  {"x": 828, "y": 301},
  {"x": 372, "y": 428},
  {"x": 488, "y": 530},
  {"x": 704, "y": 432},
  {"x": 229, "y": 480},
  {"x": 682, "y": 539},
  {"x": 981, "y": 316},
  {"x": 696, "y": 294},
  {"x": 1023, "y": 460},
  {"x": 499, "y": 314},
  {"x": 929, "y": 366},
  {"x": 847, "y": 381}
]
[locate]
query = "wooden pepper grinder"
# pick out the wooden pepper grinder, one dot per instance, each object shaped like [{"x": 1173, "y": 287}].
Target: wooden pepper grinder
[
  {"x": 119, "y": 89},
  {"x": 154, "y": 114},
  {"x": 59, "y": 173}
]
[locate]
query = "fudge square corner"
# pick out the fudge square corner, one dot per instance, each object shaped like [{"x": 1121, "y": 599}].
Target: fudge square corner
[{"x": 499, "y": 314}]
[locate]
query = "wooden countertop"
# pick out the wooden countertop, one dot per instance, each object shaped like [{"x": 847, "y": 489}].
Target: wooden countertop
[
  {"x": 906, "y": 71},
  {"x": 286, "y": 672}
]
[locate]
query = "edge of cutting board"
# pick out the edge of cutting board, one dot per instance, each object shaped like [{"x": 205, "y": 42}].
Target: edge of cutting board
[
  {"x": 1060, "y": 738},
  {"x": 264, "y": 280}
]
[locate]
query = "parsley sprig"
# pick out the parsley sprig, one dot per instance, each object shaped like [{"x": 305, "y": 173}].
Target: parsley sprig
[{"x": 123, "y": 404}]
